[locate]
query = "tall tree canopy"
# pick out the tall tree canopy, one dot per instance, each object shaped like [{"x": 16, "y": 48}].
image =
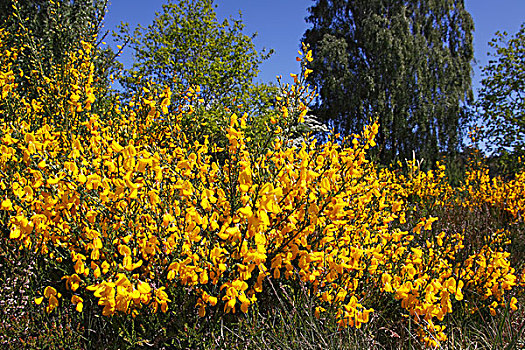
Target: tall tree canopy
[
  {"x": 501, "y": 99},
  {"x": 405, "y": 62},
  {"x": 187, "y": 46},
  {"x": 54, "y": 27},
  {"x": 49, "y": 31}
]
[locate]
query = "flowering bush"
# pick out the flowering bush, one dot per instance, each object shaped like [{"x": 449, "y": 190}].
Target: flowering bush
[{"x": 127, "y": 211}]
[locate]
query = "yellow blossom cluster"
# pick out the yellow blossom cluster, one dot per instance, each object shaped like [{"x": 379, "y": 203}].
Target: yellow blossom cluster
[
  {"x": 432, "y": 189},
  {"x": 130, "y": 209},
  {"x": 506, "y": 195}
]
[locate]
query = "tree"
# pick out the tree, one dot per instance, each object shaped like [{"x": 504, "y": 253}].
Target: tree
[
  {"x": 501, "y": 99},
  {"x": 54, "y": 28},
  {"x": 185, "y": 47},
  {"x": 406, "y": 63},
  {"x": 49, "y": 32}
]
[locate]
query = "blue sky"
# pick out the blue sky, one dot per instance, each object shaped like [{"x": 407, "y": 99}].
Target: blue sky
[{"x": 280, "y": 25}]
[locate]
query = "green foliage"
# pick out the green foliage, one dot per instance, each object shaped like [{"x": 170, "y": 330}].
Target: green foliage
[
  {"x": 54, "y": 27},
  {"x": 186, "y": 47},
  {"x": 406, "y": 63},
  {"x": 501, "y": 100},
  {"x": 48, "y": 31}
]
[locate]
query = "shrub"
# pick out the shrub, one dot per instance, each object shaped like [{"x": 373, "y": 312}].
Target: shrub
[{"x": 131, "y": 226}]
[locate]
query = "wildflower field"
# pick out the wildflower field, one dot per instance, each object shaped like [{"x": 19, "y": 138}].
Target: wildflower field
[{"x": 120, "y": 230}]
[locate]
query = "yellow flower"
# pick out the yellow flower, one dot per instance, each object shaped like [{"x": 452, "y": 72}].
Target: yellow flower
[
  {"x": 143, "y": 287},
  {"x": 386, "y": 280},
  {"x": 53, "y": 303},
  {"x": 513, "y": 304},
  {"x": 78, "y": 301},
  {"x": 49, "y": 291},
  {"x": 7, "y": 205},
  {"x": 429, "y": 221},
  {"x": 72, "y": 282}
]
